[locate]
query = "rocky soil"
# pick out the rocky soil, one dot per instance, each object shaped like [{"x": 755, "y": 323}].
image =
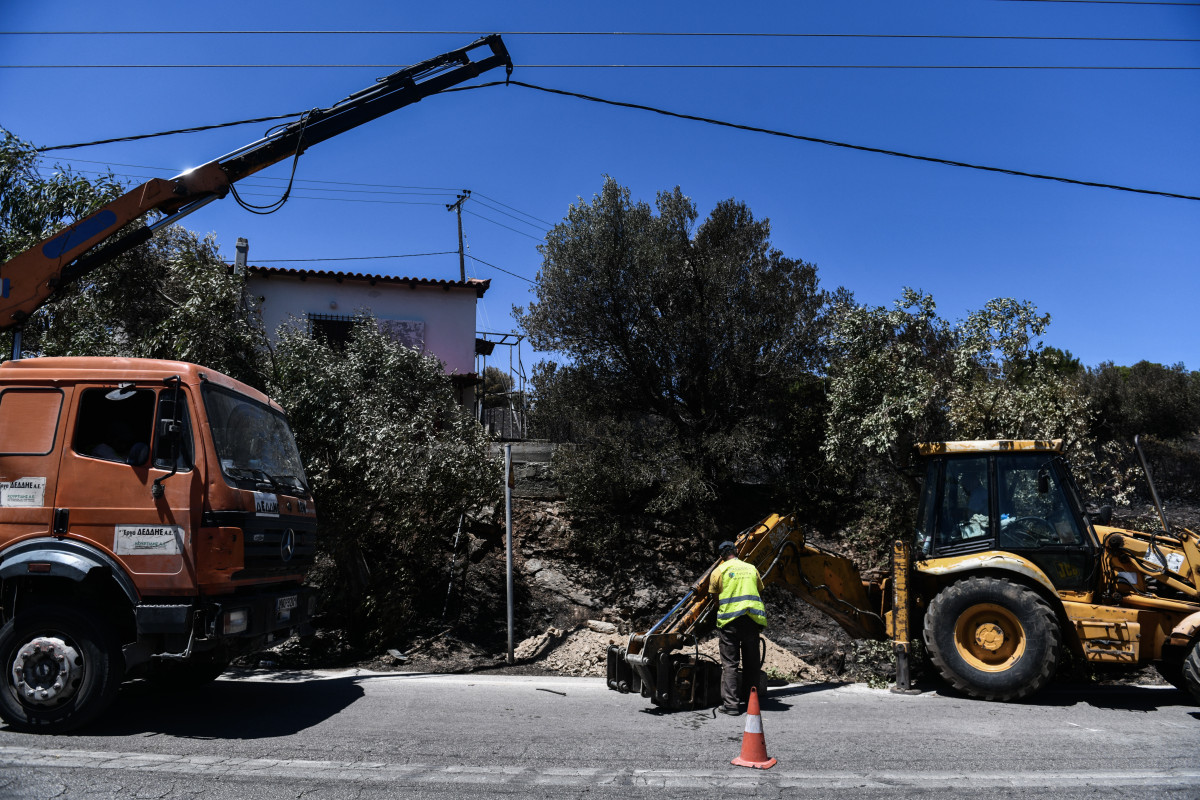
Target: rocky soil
[{"x": 567, "y": 614}]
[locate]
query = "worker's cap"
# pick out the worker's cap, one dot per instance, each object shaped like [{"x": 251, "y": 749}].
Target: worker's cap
[{"x": 727, "y": 546}]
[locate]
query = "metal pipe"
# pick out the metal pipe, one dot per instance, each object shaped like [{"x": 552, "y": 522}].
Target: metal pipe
[{"x": 508, "y": 545}]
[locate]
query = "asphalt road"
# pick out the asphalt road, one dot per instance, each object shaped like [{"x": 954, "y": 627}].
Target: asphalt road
[{"x": 365, "y": 735}]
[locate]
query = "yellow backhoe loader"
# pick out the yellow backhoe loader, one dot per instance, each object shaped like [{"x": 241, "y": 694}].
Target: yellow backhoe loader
[{"x": 1006, "y": 568}]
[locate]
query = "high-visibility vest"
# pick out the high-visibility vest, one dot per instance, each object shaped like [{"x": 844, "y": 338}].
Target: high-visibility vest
[{"x": 739, "y": 593}]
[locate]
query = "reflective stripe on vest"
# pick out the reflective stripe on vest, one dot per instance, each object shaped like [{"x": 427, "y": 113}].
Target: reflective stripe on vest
[{"x": 739, "y": 594}]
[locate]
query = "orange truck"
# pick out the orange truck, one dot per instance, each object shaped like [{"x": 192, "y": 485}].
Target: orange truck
[{"x": 155, "y": 518}]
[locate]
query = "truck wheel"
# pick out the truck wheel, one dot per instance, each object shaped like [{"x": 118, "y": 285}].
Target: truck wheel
[
  {"x": 993, "y": 639},
  {"x": 1191, "y": 671},
  {"x": 62, "y": 667}
]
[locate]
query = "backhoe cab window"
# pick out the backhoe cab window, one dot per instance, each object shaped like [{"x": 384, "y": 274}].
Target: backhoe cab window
[
  {"x": 254, "y": 443},
  {"x": 1033, "y": 506},
  {"x": 963, "y": 513},
  {"x": 115, "y": 424}
]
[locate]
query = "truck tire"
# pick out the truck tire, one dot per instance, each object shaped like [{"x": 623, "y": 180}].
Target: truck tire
[
  {"x": 993, "y": 639},
  {"x": 62, "y": 667},
  {"x": 1191, "y": 671}
]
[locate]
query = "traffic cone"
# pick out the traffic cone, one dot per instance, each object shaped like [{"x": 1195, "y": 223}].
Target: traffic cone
[{"x": 754, "y": 744}]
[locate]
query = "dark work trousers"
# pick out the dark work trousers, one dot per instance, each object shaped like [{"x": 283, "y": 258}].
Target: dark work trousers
[{"x": 739, "y": 638}]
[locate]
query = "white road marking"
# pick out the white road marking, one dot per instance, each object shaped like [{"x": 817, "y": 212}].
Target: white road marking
[{"x": 730, "y": 777}]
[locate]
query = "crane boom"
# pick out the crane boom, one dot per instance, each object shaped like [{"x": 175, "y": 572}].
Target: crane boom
[{"x": 31, "y": 278}]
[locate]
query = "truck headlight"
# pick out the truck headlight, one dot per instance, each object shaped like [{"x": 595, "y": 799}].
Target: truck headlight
[{"x": 236, "y": 621}]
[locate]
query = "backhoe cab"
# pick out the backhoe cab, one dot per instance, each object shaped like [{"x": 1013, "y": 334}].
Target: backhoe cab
[{"x": 1005, "y": 571}]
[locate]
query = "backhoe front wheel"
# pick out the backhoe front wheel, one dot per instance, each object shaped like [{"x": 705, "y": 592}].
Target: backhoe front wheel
[
  {"x": 1191, "y": 671},
  {"x": 61, "y": 666},
  {"x": 993, "y": 639}
]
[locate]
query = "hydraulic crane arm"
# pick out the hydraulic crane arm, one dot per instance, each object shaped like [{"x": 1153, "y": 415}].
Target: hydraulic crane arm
[{"x": 32, "y": 277}]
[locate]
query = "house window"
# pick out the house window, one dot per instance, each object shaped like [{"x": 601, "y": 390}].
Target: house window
[{"x": 332, "y": 328}]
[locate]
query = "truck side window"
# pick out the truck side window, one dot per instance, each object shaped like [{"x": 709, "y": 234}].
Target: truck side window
[
  {"x": 29, "y": 421},
  {"x": 963, "y": 515},
  {"x": 163, "y": 444},
  {"x": 115, "y": 424},
  {"x": 1033, "y": 507}
]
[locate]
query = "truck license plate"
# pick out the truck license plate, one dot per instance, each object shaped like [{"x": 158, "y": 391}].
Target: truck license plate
[{"x": 284, "y": 606}]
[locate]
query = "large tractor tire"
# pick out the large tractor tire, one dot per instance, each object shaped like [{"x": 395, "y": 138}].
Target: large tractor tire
[
  {"x": 1191, "y": 671},
  {"x": 993, "y": 639},
  {"x": 62, "y": 667}
]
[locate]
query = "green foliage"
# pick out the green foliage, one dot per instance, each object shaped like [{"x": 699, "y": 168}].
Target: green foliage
[
  {"x": 903, "y": 375},
  {"x": 171, "y": 298},
  {"x": 679, "y": 340},
  {"x": 393, "y": 462},
  {"x": 33, "y": 206},
  {"x": 1147, "y": 399}
]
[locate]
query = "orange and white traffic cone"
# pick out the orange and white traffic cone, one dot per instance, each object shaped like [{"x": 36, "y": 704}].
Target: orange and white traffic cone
[{"x": 754, "y": 744}]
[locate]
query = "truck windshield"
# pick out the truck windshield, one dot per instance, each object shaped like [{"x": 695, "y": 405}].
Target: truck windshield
[{"x": 253, "y": 442}]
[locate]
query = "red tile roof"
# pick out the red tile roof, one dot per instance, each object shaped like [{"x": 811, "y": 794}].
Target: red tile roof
[{"x": 480, "y": 286}]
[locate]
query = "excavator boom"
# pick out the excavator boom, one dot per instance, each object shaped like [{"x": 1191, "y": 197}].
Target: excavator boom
[{"x": 31, "y": 278}]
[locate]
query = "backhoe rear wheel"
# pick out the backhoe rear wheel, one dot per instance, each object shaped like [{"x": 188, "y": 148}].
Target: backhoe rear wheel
[
  {"x": 1191, "y": 671},
  {"x": 993, "y": 639}
]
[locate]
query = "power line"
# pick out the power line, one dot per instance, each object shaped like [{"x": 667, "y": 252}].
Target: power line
[
  {"x": 490, "y": 207},
  {"x": 434, "y": 189},
  {"x": 1039, "y": 67},
  {"x": 510, "y": 208},
  {"x": 502, "y": 225},
  {"x": 799, "y": 137},
  {"x": 1109, "y": 2},
  {"x": 166, "y": 133},
  {"x": 830, "y": 142},
  {"x": 687, "y": 34},
  {"x": 502, "y": 269}
]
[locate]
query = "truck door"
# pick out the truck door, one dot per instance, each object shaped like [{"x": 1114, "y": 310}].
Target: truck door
[
  {"x": 31, "y": 424},
  {"x": 117, "y": 450}
]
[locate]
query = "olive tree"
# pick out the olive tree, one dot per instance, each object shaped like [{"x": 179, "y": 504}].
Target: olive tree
[
  {"x": 677, "y": 339},
  {"x": 392, "y": 460}
]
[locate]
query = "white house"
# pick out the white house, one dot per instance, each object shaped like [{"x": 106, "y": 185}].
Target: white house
[{"x": 434, "y": 316}]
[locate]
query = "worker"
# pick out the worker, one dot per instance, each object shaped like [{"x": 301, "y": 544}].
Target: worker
[{"x": 737, "y": 588}]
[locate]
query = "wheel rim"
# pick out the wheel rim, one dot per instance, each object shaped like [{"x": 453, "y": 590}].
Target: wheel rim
[
  {"x": 46, "y": 671},
  {"x": 989, "y": 637}
]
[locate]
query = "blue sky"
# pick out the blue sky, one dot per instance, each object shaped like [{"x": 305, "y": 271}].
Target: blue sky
[{"x": 1118, "y": 272}]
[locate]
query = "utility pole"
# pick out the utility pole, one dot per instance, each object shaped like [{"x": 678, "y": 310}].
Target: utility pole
[{"x": 457, "y": 206}]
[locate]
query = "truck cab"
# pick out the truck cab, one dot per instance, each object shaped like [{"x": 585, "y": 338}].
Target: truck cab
[{"x": 154, "y": 519}]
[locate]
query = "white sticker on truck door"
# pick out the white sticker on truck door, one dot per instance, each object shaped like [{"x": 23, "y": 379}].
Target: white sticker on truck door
[
  {"x": 23, "y": 493},
  {"x": 148, "y": 540},
  {"x": 266, "y": 504}
]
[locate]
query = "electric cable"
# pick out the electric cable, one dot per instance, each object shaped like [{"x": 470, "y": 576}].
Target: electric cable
[
  {"x": 166, "y": 133},
  {"x": 502, "y": 269},
  {"x": 510, "y": 208},
  {"x": 514, "y": 217},
  {"x": 502, "y": 225},
  {"x": 634, "y": 66},
  {"x": 697, "y": 34},
  {"x": 829, "y": 142}
]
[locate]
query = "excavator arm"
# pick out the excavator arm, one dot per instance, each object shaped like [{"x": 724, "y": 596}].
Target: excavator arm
[
  {"x": 31, "y": 278},
  {"x": 776, "y": 546}
]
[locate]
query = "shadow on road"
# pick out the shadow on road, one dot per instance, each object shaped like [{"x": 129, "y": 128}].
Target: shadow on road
[
  {"x": 287, "y": 704},
  {"x": 1116, "y": 698}
]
